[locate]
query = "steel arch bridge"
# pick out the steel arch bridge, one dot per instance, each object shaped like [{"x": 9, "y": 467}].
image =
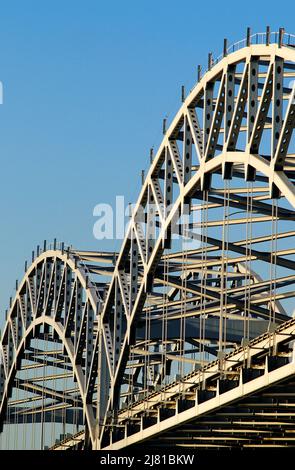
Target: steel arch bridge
[{"x": 185, "y": 336}]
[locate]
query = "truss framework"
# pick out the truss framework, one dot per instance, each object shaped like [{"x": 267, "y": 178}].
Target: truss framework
[{"x": 205, "y": 269}]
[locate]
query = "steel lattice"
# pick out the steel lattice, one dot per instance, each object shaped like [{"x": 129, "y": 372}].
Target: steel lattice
[{"x": 190, "y": 342}]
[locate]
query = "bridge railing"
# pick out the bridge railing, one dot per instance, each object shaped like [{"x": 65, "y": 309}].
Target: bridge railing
[{"x": 274, "y": 37}]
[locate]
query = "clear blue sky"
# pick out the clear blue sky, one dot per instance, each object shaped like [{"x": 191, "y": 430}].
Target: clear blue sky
[{"x": 86, "y": 85}]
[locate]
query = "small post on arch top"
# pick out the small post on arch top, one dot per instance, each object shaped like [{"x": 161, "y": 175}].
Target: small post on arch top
[
  {"x": 224, "y": 47},
  {"x": 248, "y": 37},
  {"x": 267, "y": 36},
  {"x": 281, "y": 37}
]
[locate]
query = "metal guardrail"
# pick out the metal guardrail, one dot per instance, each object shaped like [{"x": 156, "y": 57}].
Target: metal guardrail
[
  {"x": 276, "y": 37},
  {"x": 77, "y": 438}
]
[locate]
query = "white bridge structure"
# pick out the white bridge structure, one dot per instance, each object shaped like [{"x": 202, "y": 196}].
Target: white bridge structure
[{"x": 185, "y": 337}]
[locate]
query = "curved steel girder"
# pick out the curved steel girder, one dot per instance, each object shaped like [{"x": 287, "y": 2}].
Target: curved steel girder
[
  {"x": 68, "y": 259},
  {"x": 91, "y": 296},
  {"x": 90, "y": 290},
  {"x": 278, "y": 178},
  {"x": 77, "y": 369}
]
